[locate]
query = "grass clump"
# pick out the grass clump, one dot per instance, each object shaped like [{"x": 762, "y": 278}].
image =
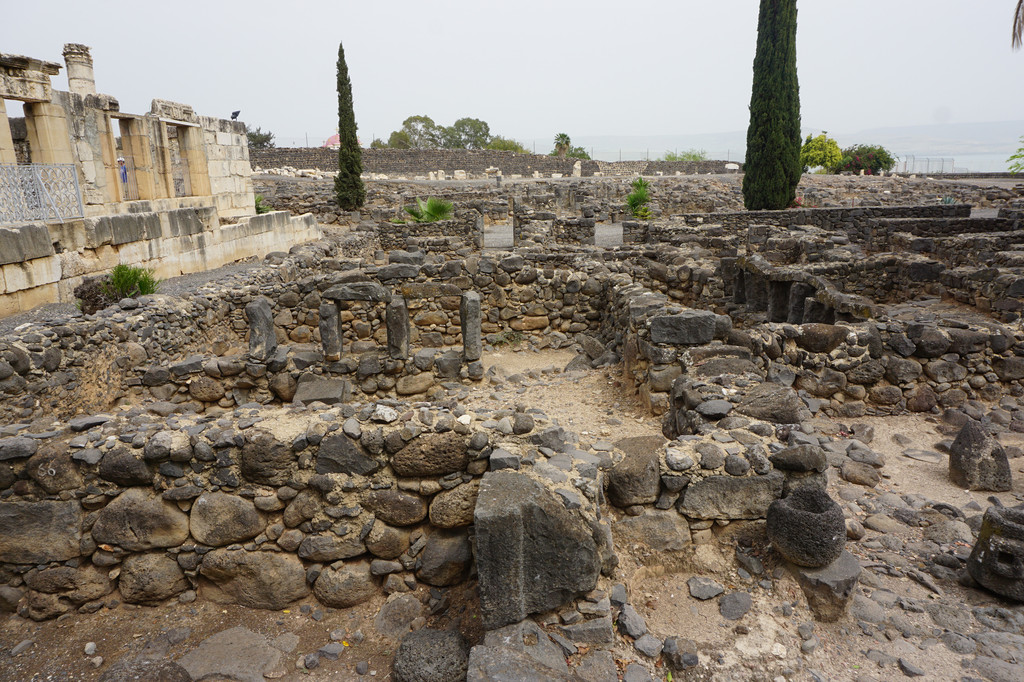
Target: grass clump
[
  {"x": 129, "y": 281},
  {"x": 262, "y": 206},
  {"x": 430, "y": 211}
]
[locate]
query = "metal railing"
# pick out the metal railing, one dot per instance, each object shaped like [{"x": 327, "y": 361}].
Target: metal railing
[{"x": 39, "y": 191}]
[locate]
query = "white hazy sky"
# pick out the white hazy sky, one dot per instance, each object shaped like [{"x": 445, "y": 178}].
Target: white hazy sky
[{"x": 533, "y": 68}]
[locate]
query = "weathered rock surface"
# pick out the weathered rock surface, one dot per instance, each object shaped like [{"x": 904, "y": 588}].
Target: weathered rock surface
[
  {"x": 147, "y": 578},
  {"x": 428, "y": 655},
  {"x": 828, "y": 590},
  {"x": 532, "y": 554},
  {"x": 259, "y": 580},
  {"x": 977, "y": 461},
  {"x": 40, "y": 532},
  {"x": 435, "y": 454},
  {"x": 137, "y": 520},
  {"x": 345, "y": 585},
  {"x": 219, "y": 519},
  {"x": 731, "y": 497}
]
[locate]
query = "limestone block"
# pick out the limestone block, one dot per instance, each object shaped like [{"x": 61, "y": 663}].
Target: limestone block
[
  {"x": 224, "y": 139},
  {"x": 37, "y": 296},
  {"x": 9, "y": 304},
  {"x": 25, "y": 242},
  {"x": 32, "y": 273}
]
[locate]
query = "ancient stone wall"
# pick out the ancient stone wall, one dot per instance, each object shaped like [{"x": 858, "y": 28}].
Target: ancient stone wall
[{"x": 43, "y": 264}]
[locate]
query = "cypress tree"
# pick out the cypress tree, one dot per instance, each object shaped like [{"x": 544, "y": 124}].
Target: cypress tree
[
  {"x": 772, "y": 167},
  {"x": 348, "y": 185}
]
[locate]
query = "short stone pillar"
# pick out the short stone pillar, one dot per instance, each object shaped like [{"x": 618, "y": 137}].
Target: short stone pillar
[
  {"x": 471, "y": 319},
  {"x": 330, "y": 331},
  {"x": 262, "y": 338},
  {"x": 396, "y": 317}
]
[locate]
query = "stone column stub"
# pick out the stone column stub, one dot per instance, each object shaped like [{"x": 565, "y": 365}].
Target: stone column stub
[
  {"x": 262, "y": 338},
  {"x": 471, "y": 319},
  {"x": 396, "y": 317}
]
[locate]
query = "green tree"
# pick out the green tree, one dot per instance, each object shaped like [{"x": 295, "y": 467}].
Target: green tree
[
  {"x": 399, "y": 139},
  {"x": 563, "y": 145},
  {"x": 866, "y": 157},
  {"x": 467, "y": 133},
  {"x": 506, "y": 144},
  {"x": 348, "y": 185},
  {"x": 259, "y": 139},
  {"x": 821, "y": 151},
  {"x": 378, "y": 144},
  {"x": 422, "y": 133},
  {"x": 772, "y": 167},
  {"x": 1017, "y": 160}
]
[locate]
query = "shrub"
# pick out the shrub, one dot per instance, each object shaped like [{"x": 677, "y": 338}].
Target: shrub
[
  {"x": 820, "y": 152},
  {"x": 636, "y": 201},
  {"x": 865, "y": 157},
  {"x": 129, "y": 281},
  {"x": 261, "y": 205},
  {"x": 430, "y": 211},
  {"x": 506, "y": 144}
]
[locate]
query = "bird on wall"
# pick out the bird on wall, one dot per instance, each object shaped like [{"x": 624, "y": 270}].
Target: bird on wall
[{"x": 234, "y": 115}]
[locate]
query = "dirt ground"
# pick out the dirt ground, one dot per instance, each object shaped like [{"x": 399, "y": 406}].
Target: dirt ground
[{"x": 595, "y": 405}]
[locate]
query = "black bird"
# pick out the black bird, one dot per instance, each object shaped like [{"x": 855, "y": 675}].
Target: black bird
[{"x": 234, "y": 115}]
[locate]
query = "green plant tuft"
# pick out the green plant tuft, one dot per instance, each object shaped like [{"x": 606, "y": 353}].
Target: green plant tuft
[
  {"x": 636, "y": 201},
  {"x": 261, "y": 205},
  {"x": 129, "y": 281},
  {"x": 430, "y": 211}
]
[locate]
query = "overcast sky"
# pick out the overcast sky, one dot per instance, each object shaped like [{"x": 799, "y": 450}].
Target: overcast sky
[{"x": 533, "y": 68}]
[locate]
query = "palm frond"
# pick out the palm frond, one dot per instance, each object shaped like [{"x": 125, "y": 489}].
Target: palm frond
[{"x": 1018, "y": 25}]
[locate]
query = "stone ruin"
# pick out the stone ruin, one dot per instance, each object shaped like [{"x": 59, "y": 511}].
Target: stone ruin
[{"x": 300, "y": 431}]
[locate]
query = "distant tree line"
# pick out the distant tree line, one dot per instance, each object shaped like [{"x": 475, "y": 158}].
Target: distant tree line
[{"x": 421, "y": 132}]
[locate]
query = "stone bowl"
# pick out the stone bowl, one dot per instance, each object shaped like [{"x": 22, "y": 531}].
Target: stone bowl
[
  {"x": 997, "y": 559},
  {"x": 807, "y": 527}
]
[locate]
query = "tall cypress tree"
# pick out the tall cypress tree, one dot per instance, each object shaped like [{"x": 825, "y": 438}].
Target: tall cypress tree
[
  {"x": 348, "y": 185},
  {"x": 772, "y": 167}
]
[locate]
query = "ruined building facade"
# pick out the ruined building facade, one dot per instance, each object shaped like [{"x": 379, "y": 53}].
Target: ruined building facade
[{"x": 85, "y": 186}]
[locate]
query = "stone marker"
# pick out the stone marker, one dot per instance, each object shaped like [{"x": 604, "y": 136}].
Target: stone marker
[
  {"x": 977, "y": 461},
  {"x": 262, "y": 339},
  {"x": 471, "y": 319},
  {"x": 690, "y": 327},
  {"x": 397, "y": 319},
  {"x": 330, "y": 335}
]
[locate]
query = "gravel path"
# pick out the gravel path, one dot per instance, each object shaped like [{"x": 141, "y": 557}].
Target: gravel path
[{"x": 175, "y": 286}]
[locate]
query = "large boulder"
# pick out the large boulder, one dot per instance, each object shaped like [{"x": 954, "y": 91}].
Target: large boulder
[
  {"x": 338, "y": 454},
  {"x": 773, "y": 403},
  {"x": 265, "y": 459},
  {"x": 396, "y": 507},
  {"x": 137, "y": 520},
  {"x": 689, "y": 328},
  {"x": 122, "y": 467},
  {"x": 635, "y": 479},
  {"x": 434, "y": 454},
  {"x": 807, "y": 527},
  {"x": 76, "y": 585},
  {"x": 259, "y": 580},
  {"x": 40, "y": 532},
  {"x": 219, "y": 519},
  {"x": 532, "y": 553},
  {"x": 345, "y": 584},
  {"x": 445, "y": 559},
  {"x": 977, "y": 461},
  {"x": 454, "y": 508},
  {"x": 147, "y": 578},
  {"x": 731, "y": 497}
]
